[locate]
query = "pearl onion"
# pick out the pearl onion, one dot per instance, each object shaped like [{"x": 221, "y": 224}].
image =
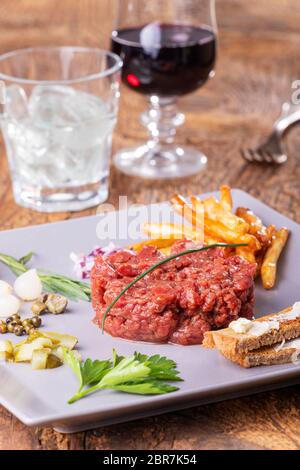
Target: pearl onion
[
  {"x": 9, "y": 305},
  {"x": 28, "y": 286},
  {"x": 5, "y": 288}
]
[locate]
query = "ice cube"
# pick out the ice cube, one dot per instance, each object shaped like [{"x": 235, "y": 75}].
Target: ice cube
[
  {"x": 76, "y": 120},
  {"x": 84, "y": 107},
  {"x": 64, "y": 106},
  {"x": 88, "y": 135},
  {"x": 16, "y": 104},
  {"x": 93, "y": 122},
  {"x": 46, "y": 104}
]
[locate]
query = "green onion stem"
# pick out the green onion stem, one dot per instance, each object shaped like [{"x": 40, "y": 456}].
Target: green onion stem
[{"x": 71, "y": 288}]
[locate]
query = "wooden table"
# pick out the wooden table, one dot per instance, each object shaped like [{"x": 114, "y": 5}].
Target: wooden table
[{"x": 258, "y": 59}]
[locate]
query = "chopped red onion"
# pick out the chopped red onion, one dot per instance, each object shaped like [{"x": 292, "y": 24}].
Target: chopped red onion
[{"x": 83, "y": 264}]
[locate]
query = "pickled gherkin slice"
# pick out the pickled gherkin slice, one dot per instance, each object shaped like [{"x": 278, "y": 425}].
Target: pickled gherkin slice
[
  {"x": 66, "y": 341},
  {"x": 6, "y": 346},
  {"x": 39, "y": 358},
  {"x": 5, "y": 356},
  {"x": 25, "y": 351},
  {"x": 53, "y": 361}
]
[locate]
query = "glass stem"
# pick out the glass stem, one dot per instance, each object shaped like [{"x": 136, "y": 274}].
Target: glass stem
[{"x": 162, "y": 120}]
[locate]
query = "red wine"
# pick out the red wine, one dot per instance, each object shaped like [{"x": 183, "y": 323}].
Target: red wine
[{"x": 165, "y": 60}]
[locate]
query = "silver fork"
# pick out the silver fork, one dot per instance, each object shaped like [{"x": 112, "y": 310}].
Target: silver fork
[{"x": 273, "y": 151}]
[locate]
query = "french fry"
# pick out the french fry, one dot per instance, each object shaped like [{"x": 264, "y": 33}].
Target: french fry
[
  {"x": 216, "y": 228},
  {"x": 246, "y": 254},
  {"x": 209, "y": 240},
  {"x": 229, "y": 236},
  {"x": 255, "y": 223},
  {"x": 226, "y": 198},
  {"x": 185, "y": 210},
  {"x": 269, "y": 266},
  {"x": 158, "y": 243},
  {"x": 219, "y": 224},
  {"x": 172, "y": 231},
  {"x": 166, "y": 251},
  {"x": 259, "y": 261},
  {"x": 271, "y": 230},
  {"x": 256, "y": 227},
  {"x": 215, "y": 211},
  {"x": 192, "y": 215},
  {"x": 188, "y": 212}
]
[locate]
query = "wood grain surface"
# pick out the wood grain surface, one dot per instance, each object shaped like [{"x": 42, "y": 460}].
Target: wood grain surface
[{"x": 259, "y": 57}]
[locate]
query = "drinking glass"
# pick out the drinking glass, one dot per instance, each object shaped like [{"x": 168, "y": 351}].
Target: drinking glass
[
  {"x": 59, "y": 113},
  {"x": 168, "y": 48}
]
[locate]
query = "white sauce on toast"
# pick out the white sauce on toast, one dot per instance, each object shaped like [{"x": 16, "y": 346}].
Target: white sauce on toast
[{"x": 259, "y": 328}]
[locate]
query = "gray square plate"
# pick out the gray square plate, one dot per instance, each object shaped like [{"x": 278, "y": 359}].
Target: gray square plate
[{"x": 40, "y": 397}]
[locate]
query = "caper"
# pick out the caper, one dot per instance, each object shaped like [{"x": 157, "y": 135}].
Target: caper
[
  {"x": 16, "y": 317},
  {"x": 19, "y": 330},
  {"x": 27, "y": 322},
  {"x": 42, "y": 298},
  {"x": 36, "y": 322},
  {"x": 56, "y": 304},
  {"x": 29, "y": 329},
  {"x": 38, "y": 308},
  {"x": 11, "y": 326},
  {"x": 3, "y": 328}
]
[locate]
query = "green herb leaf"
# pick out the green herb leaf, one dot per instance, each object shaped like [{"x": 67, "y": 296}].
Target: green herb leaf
[
  {"x": 88, "y": 372},
  {"x": 160, "y": 263},
  {"x": 93, "y": 371},
  {"x": 128, "y": 369},
  {"x": 146, "y": 387},
  {"x": 74, "y": 363},
  {"x": 25, "y": 259},
  {"x": 161, "y": 368},
  {"x": 138, "y": 374},
  {"x": 116, "y": 359},
  {"x": 15, "y": 266}
]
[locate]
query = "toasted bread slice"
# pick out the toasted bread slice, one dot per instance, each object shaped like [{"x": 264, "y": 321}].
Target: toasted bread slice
[
  {"x": 232, "y": 344},
  {"x": 267, "y": 356}
]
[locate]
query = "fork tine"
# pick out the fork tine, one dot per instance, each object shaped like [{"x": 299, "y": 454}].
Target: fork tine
[
  {"x": 247, "y": 155},
  {"x": 268, "y": 157},
  {"x": 266, "y": 153},
  {"x": 280, "y": 159},
  {"x": 257, "y": 156},
  {"x": 276, "y": 158}
]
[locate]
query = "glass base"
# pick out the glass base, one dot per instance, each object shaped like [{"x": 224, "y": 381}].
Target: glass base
[
  {"x": 161, "y": 162},
  {"x": 61, "y": 200}
]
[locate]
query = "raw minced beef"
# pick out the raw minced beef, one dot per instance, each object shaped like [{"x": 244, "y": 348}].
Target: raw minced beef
[{"x": 179, "y": 301}]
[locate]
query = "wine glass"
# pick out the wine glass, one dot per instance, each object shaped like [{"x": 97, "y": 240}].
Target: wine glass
[{"x": 169, "y": 49}]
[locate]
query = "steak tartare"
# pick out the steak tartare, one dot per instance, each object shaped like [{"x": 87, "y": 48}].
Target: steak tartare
[{"x": 179, "y": 301}]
